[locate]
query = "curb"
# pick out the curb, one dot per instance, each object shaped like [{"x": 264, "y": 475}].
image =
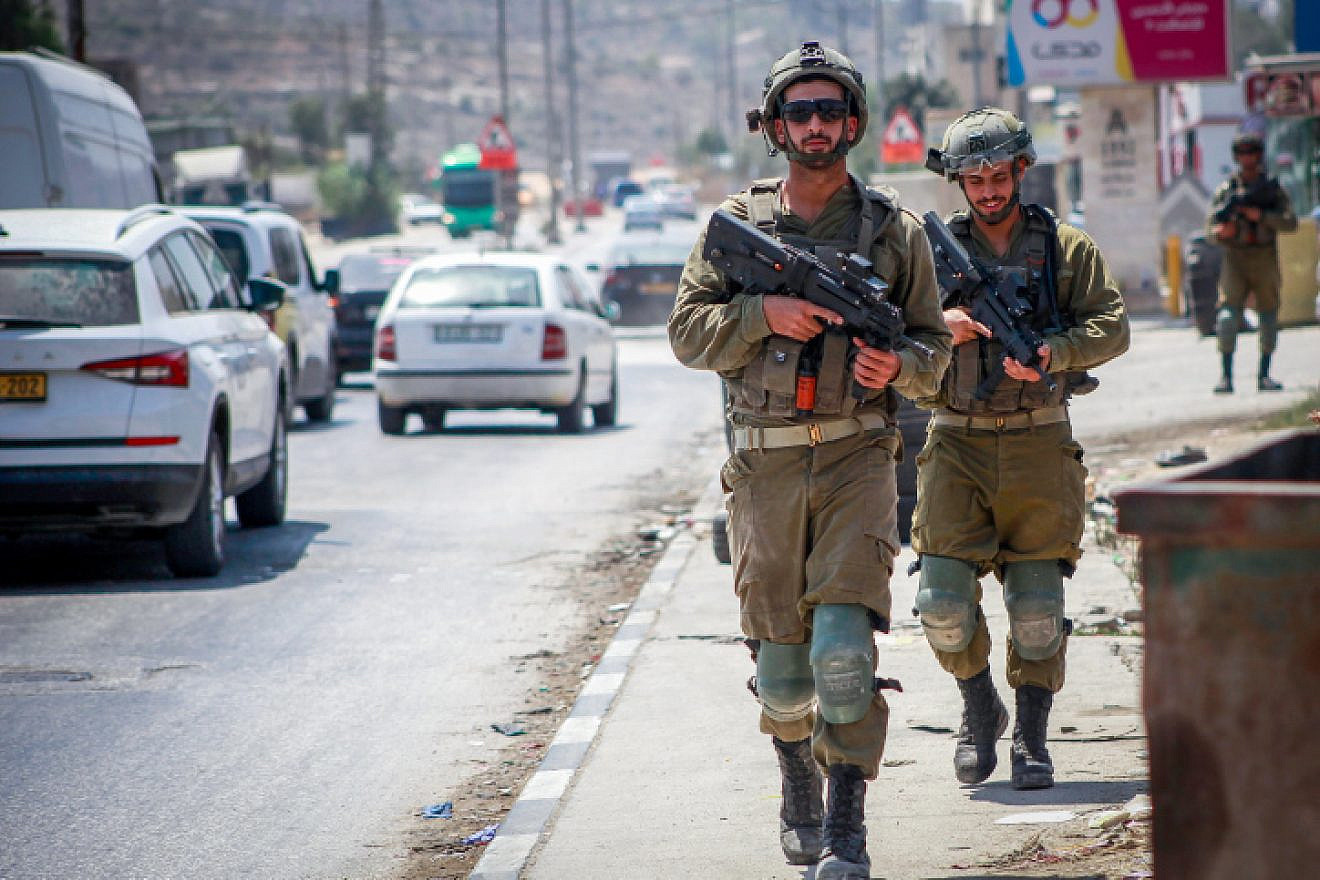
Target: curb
[{"x": 521, "y": 830}]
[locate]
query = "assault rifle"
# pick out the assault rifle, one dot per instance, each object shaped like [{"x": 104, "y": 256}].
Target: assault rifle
[
  {"x": 1263, "y": 194},
  {"x": 994, "y": 298},
  {"x": 765, "y": 265}
]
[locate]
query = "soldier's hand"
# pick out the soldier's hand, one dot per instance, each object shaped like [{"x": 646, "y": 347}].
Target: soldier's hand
[
  {"x": 964, "y": 327},
  {"x": 874, "y": 368},
  {"x": 1225, "y": 231},
  {"x": 1251, "y": 212},
  {"x": 1029, "y": 374},
  {"x": 796, "y": 318}
]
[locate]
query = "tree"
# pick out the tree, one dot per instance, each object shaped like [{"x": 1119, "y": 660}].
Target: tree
[
  {"x": 918, "y": 96},
  {"x": 307, "y": 117},
  {"x": 711, "y": 142},
  {"x": 24, "y": 24}
]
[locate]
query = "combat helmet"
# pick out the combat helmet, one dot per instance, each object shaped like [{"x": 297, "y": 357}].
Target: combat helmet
[
  {"x": 1248, "y": 141},
  {"x": 812, "y": 61},
  {"x": 982, "y": 137}
]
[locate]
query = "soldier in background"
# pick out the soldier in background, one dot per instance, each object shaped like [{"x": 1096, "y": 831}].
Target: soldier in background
[
  {"x": 813, "y": 510},
  {"x": 1000, "y": 482},
  {"x": 1249, "y": 211}
]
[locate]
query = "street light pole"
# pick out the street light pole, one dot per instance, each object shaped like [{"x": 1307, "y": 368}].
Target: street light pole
[
  {"x": 554, "y": 159},
  {"x": 575, "y": 156}
]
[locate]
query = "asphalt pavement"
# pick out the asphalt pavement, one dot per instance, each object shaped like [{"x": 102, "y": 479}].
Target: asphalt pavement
[{"x": 661, "y": 772}]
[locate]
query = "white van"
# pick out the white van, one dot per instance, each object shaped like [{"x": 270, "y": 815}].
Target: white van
[{"x": 70, "y": 138}]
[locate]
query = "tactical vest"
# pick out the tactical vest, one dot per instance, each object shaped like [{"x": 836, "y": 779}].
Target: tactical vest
[
  {"x": 972, "y": 361},
  {"x": 1267, "y": 194},
  {"x": 767, "y": 386}
]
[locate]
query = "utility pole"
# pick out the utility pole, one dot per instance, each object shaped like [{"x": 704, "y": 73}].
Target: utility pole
[
  {"x": 978, "y": 97},
  {"x": 503, "y": 55},
  {"x": 731, "y": 51},
  {"x": 554, "y": 158},
  {"x": 376, "y": 78},
  {"x": 575, "y": 156},
  {"x": 879, "y": 27},
  {"x": 842, "y": 9},
  {"x": 346, "y": 73},
  {"x": 77, "y": 31}
]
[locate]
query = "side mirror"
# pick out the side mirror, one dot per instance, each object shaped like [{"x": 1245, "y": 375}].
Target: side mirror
[
  {"x": 592, "y": 267},
  {"x": 331, "y": 283},
  {"x": 267, "y": 294},
  {"x": 611, "y": 311}
]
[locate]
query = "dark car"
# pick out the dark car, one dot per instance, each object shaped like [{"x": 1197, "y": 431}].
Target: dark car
[
  {"x": 362, "y": 281},
  {"x": 641, "y": 276}
]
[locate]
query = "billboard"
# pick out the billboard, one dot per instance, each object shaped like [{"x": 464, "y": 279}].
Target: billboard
[{"x": 1074, "y": 43}]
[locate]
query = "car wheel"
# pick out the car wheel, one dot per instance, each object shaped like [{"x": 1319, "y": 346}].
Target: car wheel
[
  {"x": 434, "y": 419},
  {"x": 264, "y": 503},
  {"x": 607, "y": 413},
  {"x": 322, "y": 409},
  {"x": 391, "y": 418},
  {"x": 719, "y": 537},
  {"x": 573, "y": 418},
  {"x": 195, "y": 547}
]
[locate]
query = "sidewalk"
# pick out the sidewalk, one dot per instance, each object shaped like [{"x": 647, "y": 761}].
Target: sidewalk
[{"x": 667, "y": 776}]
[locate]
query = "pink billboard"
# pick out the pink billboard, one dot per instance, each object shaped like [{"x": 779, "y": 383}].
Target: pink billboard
[{"x": 1112, "y": 42}]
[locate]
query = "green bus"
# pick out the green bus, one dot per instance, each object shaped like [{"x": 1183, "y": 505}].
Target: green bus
[{"x": 466, "y": 191}]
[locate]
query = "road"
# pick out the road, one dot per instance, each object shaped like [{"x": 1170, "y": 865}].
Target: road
[{"x": 289, "y": 717}]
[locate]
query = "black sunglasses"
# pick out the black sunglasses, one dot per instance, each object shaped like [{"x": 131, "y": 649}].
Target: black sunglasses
[{"x": 828, "y": 109}]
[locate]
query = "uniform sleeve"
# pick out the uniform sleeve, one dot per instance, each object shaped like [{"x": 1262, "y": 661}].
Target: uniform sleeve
[
  {"x": 1281, "y": 218},
  {"x": 1100, "y": 330},
  {"x": 917, "y": 294},
  {"x": 712, "y": 328}
]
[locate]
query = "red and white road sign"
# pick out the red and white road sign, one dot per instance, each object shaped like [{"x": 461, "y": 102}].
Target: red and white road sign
[{"x": 902, "y": 141}]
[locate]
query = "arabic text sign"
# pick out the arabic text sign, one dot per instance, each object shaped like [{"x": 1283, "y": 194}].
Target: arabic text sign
[{"x": 1113, "y": 42}]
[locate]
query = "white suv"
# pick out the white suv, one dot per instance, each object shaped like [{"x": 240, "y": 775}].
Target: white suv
[
  {"x": 136, "y": 390},
  {"x": 261, "y": 241}
]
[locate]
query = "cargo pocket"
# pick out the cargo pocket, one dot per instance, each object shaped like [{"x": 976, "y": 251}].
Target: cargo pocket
[
  {"x": 735, "y": 478},
  {"x": 1072, "y": 491},
  {"x": 920, "y": 512},
  {"x": 882, "y": 495}
]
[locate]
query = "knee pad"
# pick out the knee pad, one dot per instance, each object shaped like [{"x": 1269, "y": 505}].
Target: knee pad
[
  {"x": 784, "y": 682},
  {"x": 1033, "y": 595},
  {"x": 946, "y": 601},
  {"x": 843, "y": 661}
]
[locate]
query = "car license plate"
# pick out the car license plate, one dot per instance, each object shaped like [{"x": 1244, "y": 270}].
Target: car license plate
[
  {"x": 468, "y": 332},
  {"x": 658, "y": 287},
  {"x": 22, "y": 387}
]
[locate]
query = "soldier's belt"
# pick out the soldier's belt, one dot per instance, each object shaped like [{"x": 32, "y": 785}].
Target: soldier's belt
[
  {"x": 805, "y": 435},
  {"x": 1048, "y": 415}
]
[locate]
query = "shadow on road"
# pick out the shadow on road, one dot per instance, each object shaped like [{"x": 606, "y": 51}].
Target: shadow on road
[
  {"x": 54, "y": 564},
  {"x": 1062, "y": 794}
]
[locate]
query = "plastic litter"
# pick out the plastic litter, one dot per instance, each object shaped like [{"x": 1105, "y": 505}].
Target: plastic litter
[
  {"x": 439, "y": 811},
  {"x": 619, "y": 606},
  {"x": 1044, "y": 817},
  {"x": 513, "y": 728},
  {"x": 482, "y": 837}
]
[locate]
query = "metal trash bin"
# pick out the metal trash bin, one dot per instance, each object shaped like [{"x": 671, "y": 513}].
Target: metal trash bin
[
  {"x": 1202, "y": 262},
  {"x": 1231, "y": 574}
]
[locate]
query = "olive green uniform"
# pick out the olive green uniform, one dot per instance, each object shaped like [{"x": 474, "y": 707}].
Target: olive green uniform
[
  {"x": 1251, "y": 262},
  {"x": 1002, "y": 481},
  {"x": 812, "y": 524}
]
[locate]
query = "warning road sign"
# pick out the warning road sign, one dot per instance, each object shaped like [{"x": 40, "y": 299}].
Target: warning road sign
[{"x": 902, "y": 141}]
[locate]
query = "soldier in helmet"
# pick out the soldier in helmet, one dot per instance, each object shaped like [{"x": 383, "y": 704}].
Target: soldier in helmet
[
  {"x": 1249, "y": 210},
  {"x": 812, "y": 514},
  {"x": 1000, "y": 480}
]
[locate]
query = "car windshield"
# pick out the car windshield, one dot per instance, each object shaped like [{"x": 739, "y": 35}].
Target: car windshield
[
  {"x": 476, "y": 286},
  {"x": 468, "y": 188},
  {"x": 68, "y": 291},
  {"x": 370, "y": 273},
  {"x": 658, "y": 253}
]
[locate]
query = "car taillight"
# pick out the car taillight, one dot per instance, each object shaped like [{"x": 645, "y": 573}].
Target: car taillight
[
  {"x": 385, "y": 343},
  {"x": 611, "y": 279},
  {"x": 163, "y": 368},
  {"x": 554, "y": 344}
]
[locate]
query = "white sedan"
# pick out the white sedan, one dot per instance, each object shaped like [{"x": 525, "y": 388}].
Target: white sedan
[{"x": 494, "y": 331}]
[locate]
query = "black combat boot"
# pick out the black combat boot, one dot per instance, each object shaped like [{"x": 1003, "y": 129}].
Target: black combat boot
[
  {"x": 1263, "y": 380},
  {"x": 1225, "y": 385},
  {"x": 802, "y": 814},
  {"x": 845, "y": 827},
  {"x": 1031, "y": 760},
  {"x": 984, "y": 721}
]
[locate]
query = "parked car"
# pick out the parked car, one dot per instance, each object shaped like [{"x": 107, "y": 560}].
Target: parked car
[
  {"x": 641, "y": 276},
  {"x": 642, "y": 212},
  {"x": 591, "y": 207},
  {"x": 261, "y": 241},
  {"x": 494, "y": 331},
  {"x": 70, "y": 138},
  {"x": 676, "y": 200},
  {"x": 137, "y": 391},
  {"x": 358, "y": 287},
  {"x": 417, "y": 209}
]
